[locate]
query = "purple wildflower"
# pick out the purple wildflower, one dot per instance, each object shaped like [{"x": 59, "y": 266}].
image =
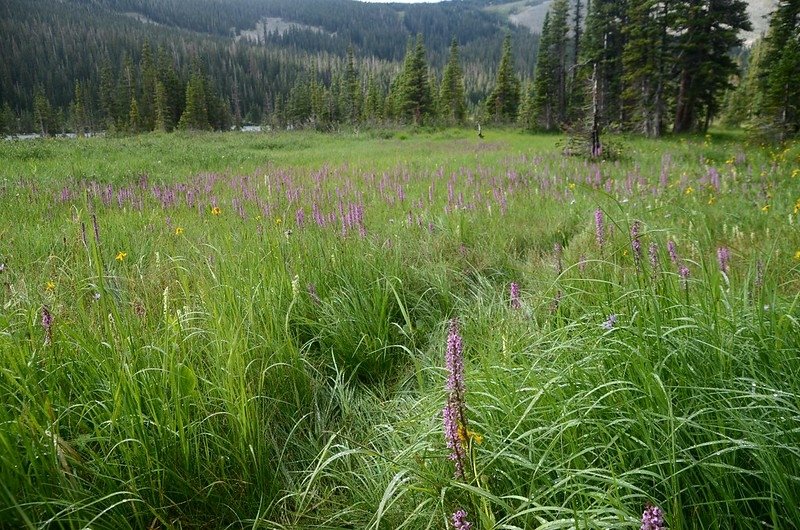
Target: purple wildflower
[
  {"x": 460, "y": 521},
  {"x": 515, "y": 300},
  {"x": 673, "y": 252},
  {"x": 454, "y": 413},
  {"x": 47, "y": 324},
  {"x": 610, "y": 321},
  {"x": 653, "y": 518},
  {"x": 723, "y": 259},
  {"x": 683, "y": 272},
  {"x": 636, "y": 245},
  {"x": 599, "y": 227},
  {"x": 653, "y": 253}
]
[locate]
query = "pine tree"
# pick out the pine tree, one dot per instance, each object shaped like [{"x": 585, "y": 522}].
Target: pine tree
[
  {"x": 134, "y": 118},
  {"x": 644, "y": 60},
  {"x": 414, "y": 96},
  {"x": 78, "y": 112},
  {"x": 601, "y": 57},
  {"x": 351, "y": 90},
  {"x": 42, "y": 112},
  {"x": 549, "y": 103},
  {"x": 778, "y": 105},
  {"x": 195, "y": 113},
  {"x": 707, "y": 30},
  {"x": 148, "y": 75},
  {"x": 107, "y": 104},
  {"x": 452, "y": 98},
  {"x": 373, "y": 107},
  {"x": 8, "y": 119},
  {"x": 503, "y": 102},
  {"x": 163, "y": 117}
]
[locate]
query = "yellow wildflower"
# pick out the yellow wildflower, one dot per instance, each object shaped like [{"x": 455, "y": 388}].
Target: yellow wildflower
[
  {"x": 121, "y": 255},
  {"x": 765, "y": 208},
  {"x": 796, "y": 173},
  {"x": 572, "y": 185},
  {"x": 797, "y": 255},
  {"x": 50, "y": 286},
  {"x": 712, "y": 200},
  {"x": 216, "y": 210},
  {"x": 689, "y": 190},
  {"x": 178, "y": 231},
  {"x": 278, "y": 220},
  {"x": 797, "y": 206}
]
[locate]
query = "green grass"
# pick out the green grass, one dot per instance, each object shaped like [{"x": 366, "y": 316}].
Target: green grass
[{"x": 252, "y": 369}]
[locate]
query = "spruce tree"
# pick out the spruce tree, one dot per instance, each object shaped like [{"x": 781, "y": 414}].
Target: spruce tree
[
  {"x": 351, "y": 90},
  {"x": 42, "y": 112},
  {"x": 645, "y": 64},
  {"x": 503, "y": 102},
  {"x": 414, "y": 97},
  {"x": 549, "y": 103},
  {"x": 452, "y": 99},
  {"x": 163, "y": 117},
  {"x": 778, "y": 107},
  {"x": 195, "y": 112},
  {"x": 134, "y": 118},
  {"x": 707, "y": 30}
]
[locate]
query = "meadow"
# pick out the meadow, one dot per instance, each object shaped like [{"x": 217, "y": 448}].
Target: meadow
[{"x": 408, "y": 330}]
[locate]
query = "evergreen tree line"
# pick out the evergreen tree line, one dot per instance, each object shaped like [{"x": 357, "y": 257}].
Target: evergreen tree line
[
  {"x": 767, "y": 97},
  {"x": 645, "y": 67}
]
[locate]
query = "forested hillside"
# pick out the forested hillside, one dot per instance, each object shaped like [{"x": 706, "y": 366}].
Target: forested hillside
[
  {"x": 646, "y": 67},
  {"x": 54, "y": 45}
]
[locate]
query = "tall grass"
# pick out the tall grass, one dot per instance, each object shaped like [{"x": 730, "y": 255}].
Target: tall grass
[{"x": 264, "y": 368}]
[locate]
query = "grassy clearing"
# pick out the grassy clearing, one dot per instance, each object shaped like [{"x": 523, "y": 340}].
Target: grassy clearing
[{"x": 248, "y": 331}]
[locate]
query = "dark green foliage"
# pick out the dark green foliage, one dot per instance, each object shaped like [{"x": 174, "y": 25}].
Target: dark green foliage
[
  {"x": 415, "y": 104},
  {"x": 778, "y": 107},
  {"x": 548, "y": 105},
  {"x": 502, "y": 104},
  {"x": 644, "y": 60},
  {"x": 452, "y": 102},
  {"x": 706, "y": 33},
  {"x": 195, "y": 114}
]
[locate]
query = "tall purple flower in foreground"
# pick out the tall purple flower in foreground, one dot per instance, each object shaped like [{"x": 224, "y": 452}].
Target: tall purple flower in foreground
[
  {"x": 47, "y": 324},
  {"x": 516, "y": 303},
  {"x": 673, "y": 252},
  {"x": 599, "y": 227},
  {"x": 454, "y": 413},
  {"x": 653, "y": 253},
  {"x": 460, "y": 521},
  {"x": 723, "y": 259},
  {"x": 653, "y": 518},
  {"x": 636, "y": 245}
]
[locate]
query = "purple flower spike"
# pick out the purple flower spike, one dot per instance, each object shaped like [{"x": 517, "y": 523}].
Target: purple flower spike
[
  {"x": 47, "y": 324},
  {"x": 516, "y": 303},
  {"x": 673, "y": 252},
  {"x": 723, "y": 259},
  {"x": 653, "y": 253},
  {"x": 610, "y": 322},
  {"x": 460, "y": 521},
  {"x": 454, "y": 415},
  {"x": 599, "y": 227},
  {"x": 683, "y": 272},
  {"x": 653, "y": 518},
  {"x": 636, "y": 245}
]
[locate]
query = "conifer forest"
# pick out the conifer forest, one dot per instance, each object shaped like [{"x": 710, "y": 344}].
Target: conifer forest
[{"x": 459, "y": 265}]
